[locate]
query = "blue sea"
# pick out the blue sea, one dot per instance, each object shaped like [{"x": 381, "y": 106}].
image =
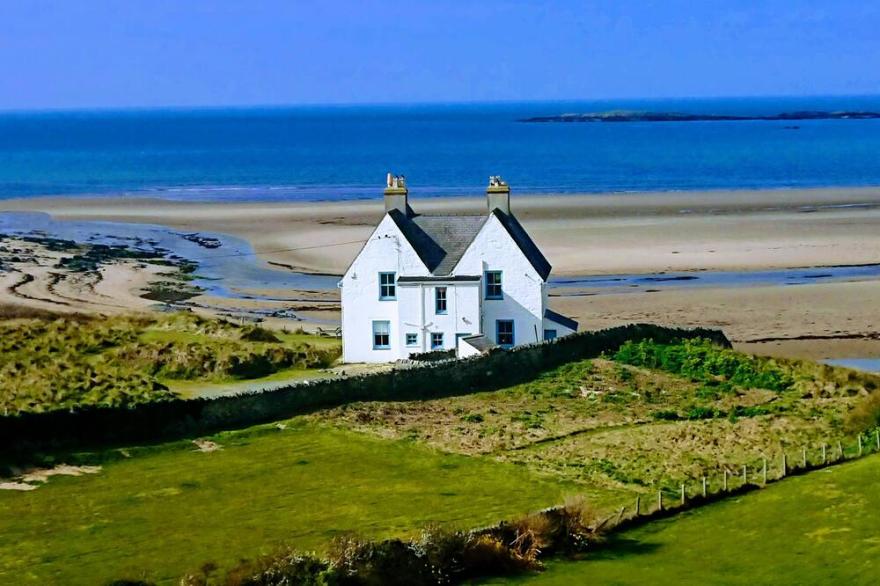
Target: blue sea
[{"x": 343, "y": 152}]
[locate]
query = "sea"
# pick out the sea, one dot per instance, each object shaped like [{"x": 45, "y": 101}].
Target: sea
[{"x": 343, "y": 152}]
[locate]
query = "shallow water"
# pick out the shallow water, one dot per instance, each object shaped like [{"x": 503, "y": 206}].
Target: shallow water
[
  {"x": 866, "y": 364},
  {"x": 678, "y": 280}
]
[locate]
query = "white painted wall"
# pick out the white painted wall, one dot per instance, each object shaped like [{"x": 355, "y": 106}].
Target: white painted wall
[
  {"x": 493, "y": 249},
  {"x": 387, "y": 250},
  {"x": 418, "y": 313},
  {"x": 468, "y": 312}
]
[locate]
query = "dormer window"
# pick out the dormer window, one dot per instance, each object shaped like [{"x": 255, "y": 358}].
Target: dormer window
[{"x": 387, "y": 287}]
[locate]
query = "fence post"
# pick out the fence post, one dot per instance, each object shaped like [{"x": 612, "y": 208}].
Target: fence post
[
  {"x": 682, "y": 494},
  {"x": 784, "y": 465},
  {"x": 725, "y": 480},
  {"x": 704, "y": 487},
  {"x": 839, "y": 450},
  {"x": 824, "y": 455},
  {"x": 877, "y": 435},
  {"x": 660, "y": 500},
  {"x": 764, "y": 471},
  {"x": 860, "y": 444},
  {"x": 804, "y": 456},
  {"x": 745, "y": 475},
  {"x": 638, "y": 504},
  {"x": 619, "y": 515}
]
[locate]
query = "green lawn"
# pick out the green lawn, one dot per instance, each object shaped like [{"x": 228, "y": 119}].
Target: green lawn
[
  {"x": 167, "y": 510},
  {"x": 822, "y": 528}
]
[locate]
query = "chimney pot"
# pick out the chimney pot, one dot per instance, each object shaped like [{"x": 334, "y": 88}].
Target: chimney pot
[
  {"x": 498, "y": 194},
  {"x": 396, "y": 193}
]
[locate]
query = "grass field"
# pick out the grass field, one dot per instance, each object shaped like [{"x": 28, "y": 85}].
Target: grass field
[
  {"x": 621, "y": 429},
  {"x": 164, "y": 511},
  {"x": 820, "y": 528},
  {"x": 600, "y": 428}
]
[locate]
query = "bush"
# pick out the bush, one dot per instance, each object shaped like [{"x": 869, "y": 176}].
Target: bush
[
  {"x": 665, "y": 415},
  {"x": 438, "y": 556},
  {"x": 699, "y": 412},
  {"x": 865, "y": 415},
  {"x": 258, "y": 334},
  {"x": 701, "y": 360}
]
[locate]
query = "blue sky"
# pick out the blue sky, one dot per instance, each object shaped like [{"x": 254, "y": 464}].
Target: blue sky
[{"x": 133, "y": 53}]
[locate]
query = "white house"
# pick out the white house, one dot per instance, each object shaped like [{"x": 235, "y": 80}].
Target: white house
[{"x": 441, "y": 282}]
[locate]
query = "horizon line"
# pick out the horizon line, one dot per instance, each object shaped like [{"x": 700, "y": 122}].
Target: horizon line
[{"x": 393, "y": 104}]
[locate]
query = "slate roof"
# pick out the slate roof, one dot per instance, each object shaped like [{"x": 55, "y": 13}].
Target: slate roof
[
  {"x": 441, "y": 241},
  {"x": 560, "y": 319}
]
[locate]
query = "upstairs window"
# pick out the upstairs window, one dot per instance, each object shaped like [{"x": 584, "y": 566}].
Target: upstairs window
[
  {"x": 493, "y": 284},
  {"x": 437, "y": 341},
  {"x": 440, "y": 300},
  {"x": 387, "y": 288},
  {"x": 381, "y": 335},
  {"x": 504, "y": 333}
]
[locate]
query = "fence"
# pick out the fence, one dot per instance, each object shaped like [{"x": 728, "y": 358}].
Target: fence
[
  {"x": 22, "y": 434},
  {"x": 745, "y": 479}
]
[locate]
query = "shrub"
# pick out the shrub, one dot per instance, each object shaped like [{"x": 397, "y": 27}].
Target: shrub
[
  {"x": 701, "y": 360},
  {"x": 865, "y": 415},
  {"x": 371, "y": 563},
  {"x": 665, "y": 415},
  {"x": 438, "y": 556},
  {"x": 700, "y": 412}
]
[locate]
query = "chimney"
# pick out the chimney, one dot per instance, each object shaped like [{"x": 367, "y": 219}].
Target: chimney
[
  {"x": 396, "y": 193},
  {"x": 498, "y": 194}
]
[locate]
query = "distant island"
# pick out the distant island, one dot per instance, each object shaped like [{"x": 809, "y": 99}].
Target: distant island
[{"x": 636, "y": 116}]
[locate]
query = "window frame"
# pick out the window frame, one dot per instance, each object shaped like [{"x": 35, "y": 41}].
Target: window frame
[
  {"x": 437, "y": 300},
  {"x": 392, "y": 286},
  {"x": 415, "y": 339},
  {"x": 435, "y": 346},
  {"x": 374, "y": 334},
  {"x": 499, "y": 284},
  {"x": 512, "y": 332},
  {"x": 552, "y": 332}
]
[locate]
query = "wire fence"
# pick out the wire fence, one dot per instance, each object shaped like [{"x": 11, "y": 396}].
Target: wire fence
[{"x": 787, "y": 462}]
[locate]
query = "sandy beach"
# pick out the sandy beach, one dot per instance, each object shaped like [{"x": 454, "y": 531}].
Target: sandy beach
[
  {"x": 600, "y": 235},
  {"x": 579, "y": 234}
]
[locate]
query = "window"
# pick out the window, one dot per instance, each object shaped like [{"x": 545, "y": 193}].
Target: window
[
  {"x": 504, "y": 333},
  {"x": 387, "y": 288},
  {"x": 440, "y": 300},
  {"x": 549, "y": 335},
  {"x": 437, "y": 341},
  {"x": 412, "y": 339},
  {"x": 493, "y": 284},
  {"x": 381, "y": 335}
]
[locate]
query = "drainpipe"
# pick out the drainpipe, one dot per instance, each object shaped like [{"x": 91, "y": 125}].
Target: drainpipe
[
  {"x": 341, "y": 318},
  {"x": 422, "y": 328}
]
